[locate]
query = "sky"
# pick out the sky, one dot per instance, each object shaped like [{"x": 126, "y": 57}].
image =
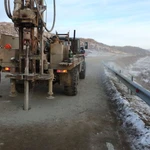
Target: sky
[{"x": 112, "y": 22}]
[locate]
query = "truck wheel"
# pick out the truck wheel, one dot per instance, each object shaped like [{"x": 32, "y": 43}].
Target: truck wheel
[
  {"x": 72, "y": 89},
  {"x": 83, "y": 71}
]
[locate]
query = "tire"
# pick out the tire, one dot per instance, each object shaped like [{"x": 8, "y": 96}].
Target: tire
[
  {"x": 83, "y": 71},
  {"x": 72, "y": 89}
]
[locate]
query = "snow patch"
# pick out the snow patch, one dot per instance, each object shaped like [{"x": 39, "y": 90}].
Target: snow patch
[{"x": 137, "y": 131}]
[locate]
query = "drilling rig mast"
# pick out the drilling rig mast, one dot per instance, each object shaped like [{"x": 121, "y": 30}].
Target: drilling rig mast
[{"x": 28, "y": 20}]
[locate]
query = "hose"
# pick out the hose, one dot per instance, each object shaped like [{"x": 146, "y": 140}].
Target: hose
[
  {"x": 6, "y": 8},
  {"x": 5, "y": 4},
  {"x": 54, "y": 17},
  {"x": 9, "y": 9}
]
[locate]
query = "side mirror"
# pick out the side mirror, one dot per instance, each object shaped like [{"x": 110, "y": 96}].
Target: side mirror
[
  {"x": 82, "y": 51},
  {"x": 86, "y": 45}
]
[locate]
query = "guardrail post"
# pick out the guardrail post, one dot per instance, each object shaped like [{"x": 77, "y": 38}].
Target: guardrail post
[
  {"x": 120, "y": 73},
  {"x": 131, "y": 90}
]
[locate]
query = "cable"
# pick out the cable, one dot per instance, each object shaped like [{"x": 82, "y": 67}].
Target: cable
[
  {"x": 54, "y": 17},
  {"x": 5, "y": 4},
  {"x": 9, "y": 9},
  {"x": 6, "y": 8}
]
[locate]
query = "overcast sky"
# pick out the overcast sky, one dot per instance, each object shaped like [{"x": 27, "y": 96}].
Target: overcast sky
[{"x": 112, "y": 22}]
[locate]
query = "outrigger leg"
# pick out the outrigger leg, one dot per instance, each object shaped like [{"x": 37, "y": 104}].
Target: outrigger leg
[
  {"x": 50, "y": 84},
  {"x": 13, "y": 88}
]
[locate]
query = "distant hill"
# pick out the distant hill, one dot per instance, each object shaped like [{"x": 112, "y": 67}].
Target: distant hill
[
  {"x": 94, "y": 45},
  {"x": 131, "y": 49},
  {"x": 8, "y": 28}
]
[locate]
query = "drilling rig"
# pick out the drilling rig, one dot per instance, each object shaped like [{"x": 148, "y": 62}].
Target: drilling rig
[{"x": 39, "y": 58}]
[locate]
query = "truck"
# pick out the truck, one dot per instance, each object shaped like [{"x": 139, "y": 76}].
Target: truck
[{"x": 33, "y": 57}]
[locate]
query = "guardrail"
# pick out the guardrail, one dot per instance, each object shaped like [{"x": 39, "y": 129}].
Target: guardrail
[{"x": 136, "y": 89}]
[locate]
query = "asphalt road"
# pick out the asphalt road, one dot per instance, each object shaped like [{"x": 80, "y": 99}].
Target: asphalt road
[{"x": 83, "y": 122}]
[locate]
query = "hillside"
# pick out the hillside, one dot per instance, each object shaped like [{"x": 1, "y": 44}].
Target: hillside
[
  {"x": 131, "y": 49},
  {"x": 8, "y": 28},
  {"x": 94, "y": 45}
]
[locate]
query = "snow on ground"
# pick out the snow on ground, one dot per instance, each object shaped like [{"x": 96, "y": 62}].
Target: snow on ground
[
  {"x": 141, "y": 69},
  {"x": 133, "y": 112},
  {"x": 130, "y": 110}
]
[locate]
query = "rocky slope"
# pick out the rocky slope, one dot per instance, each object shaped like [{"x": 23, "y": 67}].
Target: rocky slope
[{"x": 7, "y": 28}]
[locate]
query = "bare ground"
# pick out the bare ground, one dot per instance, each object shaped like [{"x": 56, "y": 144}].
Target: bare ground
[{"x": 84, "y": 122}]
